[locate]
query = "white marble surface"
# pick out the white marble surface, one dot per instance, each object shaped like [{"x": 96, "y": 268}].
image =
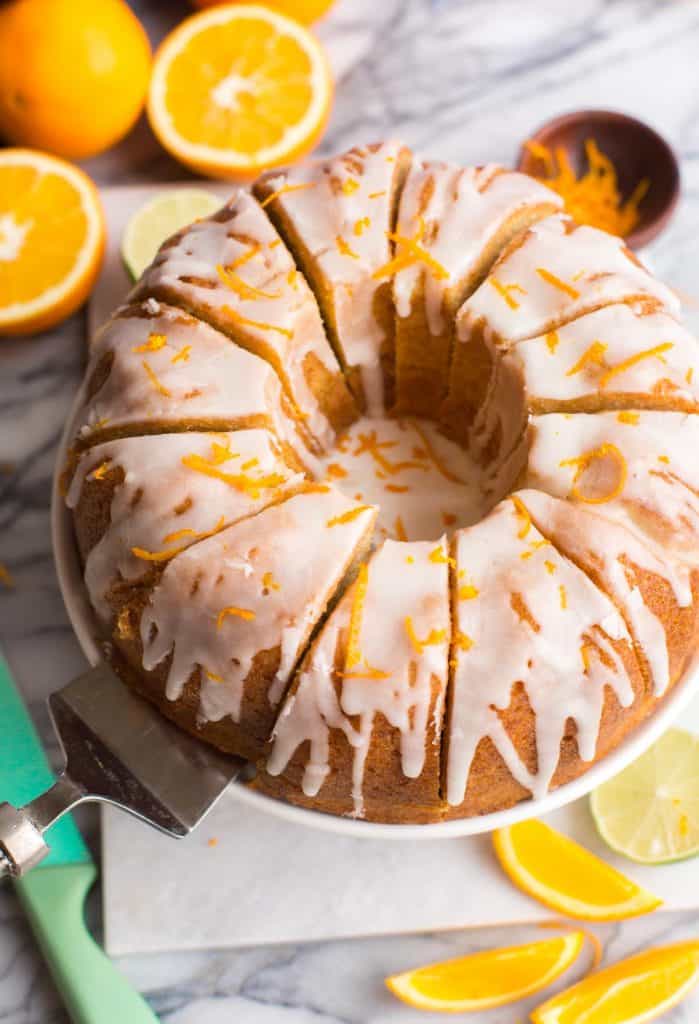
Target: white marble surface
[{"x": 464, "y": 79}]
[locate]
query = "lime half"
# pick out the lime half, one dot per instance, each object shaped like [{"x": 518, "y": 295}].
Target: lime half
[
  {"x": 650, "y": 811},
  {"x": 158, "y": 219}
]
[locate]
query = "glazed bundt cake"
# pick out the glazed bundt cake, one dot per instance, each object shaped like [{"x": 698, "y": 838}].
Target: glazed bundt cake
[{"x": 385, "y": 479}]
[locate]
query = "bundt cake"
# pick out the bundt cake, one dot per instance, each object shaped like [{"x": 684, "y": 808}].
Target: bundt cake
[{"x": 385, "y": 479}]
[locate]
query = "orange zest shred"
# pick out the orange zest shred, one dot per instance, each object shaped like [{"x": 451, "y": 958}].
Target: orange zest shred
[
  {"x": 440, "y": 557},
  {"x": 214, "y": 677},
  {"x": 167, "y": 553},
  {"x": 593, "y": 198},
  {"x": 563, "y": 596},
  {"x": 347, "y": 517},
  {"x": 594, "y": 355},
  {"x": 245, "y": 321},
  {"x": 269, "y": 582},
  {"x": 663, "y": 458},
  {"x": 467, "y": 592},
  {"x": 250, "y": 464},
  {"x": 396, "y": 488},
  {"x": 250, "y": 485},
  {"x": 361, "y": 225},
  {"x": 334, "y": 469},
  {"x": 463, "y": 641},
  {"x": 349, "y": 185},
  {"x": 552, "y": 341},
  {"x": 241, "y": 288},
  {"x": 249, "y": 254},
  {"x": 433, "y": 638},
  {"x": 522, "y": 513},
  {"x": 155, "y": 342},
  {"x": 534, "y": 545},
  {"x": 630, "y": 418},
  {"x": 550, "y": 567},
  {"x": 344, "y": 248},
  {"x": 557, "y": 282},
  {"x": 367, "y": 673},
  {"x": 6, "y": 578},
  {"x": 101, "y": 471},
  {"x": 240, "y": 613},
  {"x": 152, "y": 377},
  {"x": 582, "y": 462},
  {"x": 354, "y": 654},
  {"x": 183, "y": 355},
  {"x": 283, "y": 191},
  {"x": 506, "y": 290},
  {"x": 377, "y": 195},
  {"x": 650, "y": 353}
]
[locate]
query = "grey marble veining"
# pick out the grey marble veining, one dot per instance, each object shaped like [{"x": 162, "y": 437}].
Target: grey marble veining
[{"x": 459, "y": 79}]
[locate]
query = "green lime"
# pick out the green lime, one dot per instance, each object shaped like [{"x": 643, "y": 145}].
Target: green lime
[
  {"x": 650, "y": 811},
  {"x": 158, "y": 219}
]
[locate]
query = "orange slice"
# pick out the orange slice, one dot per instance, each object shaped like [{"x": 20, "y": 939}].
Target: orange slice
[
  {"x": 567, "y": 877},
  {"x": 633, "y": 991},
  {"x": 484, "y": 980},
  {"x": 51, "y": 240},
  {"x": 238, "y": 88}
]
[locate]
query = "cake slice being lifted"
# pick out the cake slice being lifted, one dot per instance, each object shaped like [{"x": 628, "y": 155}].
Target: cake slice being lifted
[
  {"x": 215, "y": 640},
  {"x": 139, "y": 501},
  {"x": 233, "y": 271},
  {"x": 452, "y": 224},
  {"x": 337, "y": 217},
  {"x": 544, "y": 677},
  {"x": 359, "y": 732}
]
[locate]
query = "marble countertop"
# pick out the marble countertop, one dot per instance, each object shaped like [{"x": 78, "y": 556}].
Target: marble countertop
[{"x": 459, "y": 79}]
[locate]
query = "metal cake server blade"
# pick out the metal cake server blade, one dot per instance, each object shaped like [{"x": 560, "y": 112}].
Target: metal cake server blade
[{"x": 120, "y": 750}]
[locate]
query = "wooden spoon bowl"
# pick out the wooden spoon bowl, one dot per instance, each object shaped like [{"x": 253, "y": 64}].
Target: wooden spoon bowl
[{"x": 635, "y": 149}]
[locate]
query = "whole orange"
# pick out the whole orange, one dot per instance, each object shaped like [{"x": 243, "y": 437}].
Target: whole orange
[
  {"x": 305, "y": 11},
  {"x": 73, "y": 74}
]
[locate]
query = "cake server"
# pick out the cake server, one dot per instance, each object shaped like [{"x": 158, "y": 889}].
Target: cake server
[
  {"x": 118, "y": 750},
  {"x": 54, "y": 895}
]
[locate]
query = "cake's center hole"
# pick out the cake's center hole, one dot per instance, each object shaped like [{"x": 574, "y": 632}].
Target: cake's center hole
[{"x": 423, "y": 483}]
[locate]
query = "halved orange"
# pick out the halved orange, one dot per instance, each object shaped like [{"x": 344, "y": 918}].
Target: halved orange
[
  {"x": 238, "y": 88},
  {"x": 629, "y": 992},
  {"x": 565, "y": 876},
  {"x": 51, "y": 240},
  {"x": 492, "y": 978}
]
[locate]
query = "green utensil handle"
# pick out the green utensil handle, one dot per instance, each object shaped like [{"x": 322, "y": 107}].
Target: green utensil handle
[{"x": 93, "y": 990}]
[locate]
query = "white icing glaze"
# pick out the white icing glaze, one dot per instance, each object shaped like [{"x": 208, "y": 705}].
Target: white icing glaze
[
  {"x": 197, "y": 374},
  {"x": 406, "y": 593},
  {"x": 273, "y": 596},
  {"x": 629, "y": 349},
  {"x": 502, "y": 556},
  {"x": 462, "y": 209},
  {"x": 593, "y": 269},
  {"x": 275, "y": 301},
  {"x": 650, "y": 477},
  {"x": 593, "y": 541},
  {"x": 421, "y": 481},
  {"x": 343, "y": 192},
  {"x": 176, "y": 489}
]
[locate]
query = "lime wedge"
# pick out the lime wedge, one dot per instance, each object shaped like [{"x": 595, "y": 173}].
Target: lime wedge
[
  {"x": 158, "y": 219},
  {"x": 650, "y": 811}
]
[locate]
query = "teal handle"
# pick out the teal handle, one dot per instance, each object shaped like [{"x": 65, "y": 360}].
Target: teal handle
[{"x": 93, "y": 990}]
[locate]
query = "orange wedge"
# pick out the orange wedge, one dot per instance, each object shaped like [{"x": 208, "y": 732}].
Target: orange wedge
[
  {"x": 633, "y": 991},
  {"x": 238, "y": 88},
  {"x": 484, "y": 980},
  {"x": 51, "y": 240},
  {"x": 567, "y": 877}
]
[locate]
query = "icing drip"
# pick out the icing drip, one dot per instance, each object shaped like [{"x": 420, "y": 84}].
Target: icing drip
[
  {"x": 163, "y": 504},
  {"x": 233, "y": 269},
  {"x": 643, "y": 473},
  {"x": 421, "y": 481},
  {"x": 460, "y": 209},
  {"x": 629, "y": 349},
  {"x": 396, "y": 668},
  {"x": 331, "y": 218},
  {"x": 226, "y": 573},
  {"x": 593, "y": 541},
  {"x": 554, "y": 274},
  {"x": 518, "y": 629},
  {"x": 219, "y": 381}
]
